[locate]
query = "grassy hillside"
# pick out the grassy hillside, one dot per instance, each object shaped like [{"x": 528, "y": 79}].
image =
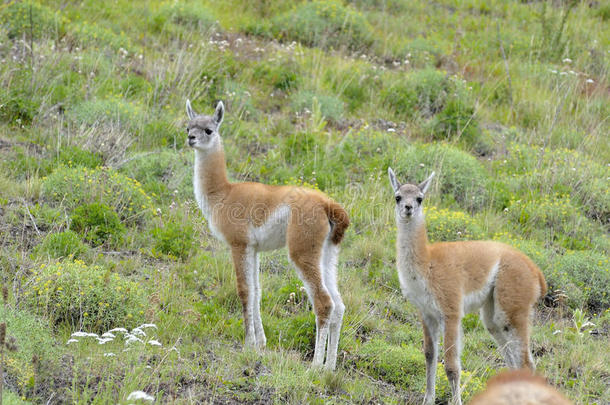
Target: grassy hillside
[{"x": 508, "y": 101}]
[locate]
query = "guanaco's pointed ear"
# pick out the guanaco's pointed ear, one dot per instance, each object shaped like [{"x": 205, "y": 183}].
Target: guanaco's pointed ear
[
  {"x": 395, "y": 184},
  {"x": 219, "y": 113},
  {"x": 189, "y": 110},
  {"x": 423, "y": 186}
]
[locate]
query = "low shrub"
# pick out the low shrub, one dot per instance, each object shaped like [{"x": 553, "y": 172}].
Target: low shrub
[
  {"x": 432, "y": 95},
  {"x": 86, "y": 297},
  {"x": 162, "y": 174},
  {"x": 188, "y": 15},
  {"x": 460, "y": 177},
  {"x": 107, "y": 111},
  {"x": 281, "y": 75},
  {"x": 445, "y": 225},
  {"x": 173, "y": 239},
  {"x": 29, "y": 17},
  {"x": 296, "y": 332},
  {"x": 62, "y": 244},
  {"x": 585, "y": 277},
  {"x": 75, "y": 186},
  {"x": 558, "y": 171},
  {"x": 555, "y": 219},
  {"x": 402, "y": 365},
  {"x": 322, "y": 23},
  {"x": 98, "y": 223},
  {"x": 331, "y": 108},
  {"x": 27, "y": 336}
]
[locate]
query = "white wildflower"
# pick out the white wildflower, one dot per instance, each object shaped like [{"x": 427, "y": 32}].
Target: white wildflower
[
  {"x": 147, "y": 325},
  {"x": 122, "y": 330},
  {"x": 83, "y": 334},
  {"x": 590, "y": 81},
  {"x": 136, "y": 395},
  {"x": 154, "y": 343},
  {"x": 109, "y": 355},
  {"x": 567, "y": 60},
  {"x": 131, "y": 339},
  {"x": 72, "y": 341},
  {"x": 102, "y": 341},
  {"x": 391, "y": 130},
  {"x": 108, "y": 335},
  {"x": 138, "y": 332}
]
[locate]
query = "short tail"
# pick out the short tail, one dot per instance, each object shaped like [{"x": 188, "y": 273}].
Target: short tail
[
  {"x": 339, "y": 220},
  {"x": 542, "y": 282}
]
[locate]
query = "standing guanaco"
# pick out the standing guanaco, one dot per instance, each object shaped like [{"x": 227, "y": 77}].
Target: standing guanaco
[
  {"x": 254, "y": 217},
  {"x": 449, "y": 279}
]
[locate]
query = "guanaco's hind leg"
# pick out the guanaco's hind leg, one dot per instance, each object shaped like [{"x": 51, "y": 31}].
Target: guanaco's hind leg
[
  {"x": 330, "y": 255},
  {"x": 516, "y": 291},
  {"x": 305, "y": 238}
]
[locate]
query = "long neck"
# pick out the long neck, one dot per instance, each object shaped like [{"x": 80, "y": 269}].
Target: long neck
[
  {"x": 211, "y": 173},
  {"x": 413, "y": 240}
]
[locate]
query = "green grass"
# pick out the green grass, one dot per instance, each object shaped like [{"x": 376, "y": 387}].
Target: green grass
[{"x": 325, "y": 94}]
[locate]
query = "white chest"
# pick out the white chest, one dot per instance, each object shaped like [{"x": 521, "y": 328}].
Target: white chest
[
  {"x": 413, "y": 284},
  {"x": 204, "y": 205}
]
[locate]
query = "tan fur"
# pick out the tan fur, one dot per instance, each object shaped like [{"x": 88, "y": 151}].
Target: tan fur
[
  {"x": 519, "y": 387},
  {"x": 447, "y": 279},
  {"x": 252, "y": 217}
]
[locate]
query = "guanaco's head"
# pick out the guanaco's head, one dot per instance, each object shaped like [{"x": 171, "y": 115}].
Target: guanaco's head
[
  {"x": 409, "y": 197},
  {"x": 202, "y": 130}
]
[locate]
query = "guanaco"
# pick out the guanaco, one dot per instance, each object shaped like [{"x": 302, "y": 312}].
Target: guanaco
[
  {"x": 449, "y": 279},
  {"x": 254, "y": 217},
  {"x": 519, "y": 387}
]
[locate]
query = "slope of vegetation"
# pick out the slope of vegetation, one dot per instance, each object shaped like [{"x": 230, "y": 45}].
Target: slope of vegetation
[{"x": 508, "y": 101}]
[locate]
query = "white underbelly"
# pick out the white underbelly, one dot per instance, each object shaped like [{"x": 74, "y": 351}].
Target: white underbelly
[{"x": 272, "y": 234}]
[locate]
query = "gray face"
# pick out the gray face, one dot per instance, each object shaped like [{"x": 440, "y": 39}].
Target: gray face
[
  {"x": 202, "y": 130},
  {"x": 409, "y": 197},
  {"x": 409, "y": 200}
]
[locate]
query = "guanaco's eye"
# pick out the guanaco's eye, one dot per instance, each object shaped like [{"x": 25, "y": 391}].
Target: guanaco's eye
[
  {"x": 419, "y": 200},
  {"x": 208, "y": 131},
  {"x": 398, "y": 198}
]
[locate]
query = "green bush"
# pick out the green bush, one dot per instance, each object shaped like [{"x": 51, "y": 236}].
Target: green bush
[
  {"x": 98, "y": 224},
  {"x": 188, "y": 15},
  {"x": 86, "y": 297},
  {"x": 281, "y": 75},
  {"x": 75, "y": 156},
  {"x": 162, "y": 173},
  {"x": 296, "y": 332},
  {"x": 445, "y": 225},
  {"x": 30, "y": 336},
  {"x": 431, "y": 94},
  {"x": 402, "y": 365},
  {"x": 19, "y": 105},
  {"x": 322, "y": 23},
  {"x": 75, "y": 186},
  {"x": 62, "y": 244},
  {"x": 585, "y": 277},
  {"x": 558, "y": 171},
  {"x": 554, "y": 219},
  {"x": 460, "y": 177},
  {"x": 106, "y": 111},
  {"x": 330, "y": 107},
  {"x": 28, "y": 17},
  {"x": 173, "y": 239}
]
